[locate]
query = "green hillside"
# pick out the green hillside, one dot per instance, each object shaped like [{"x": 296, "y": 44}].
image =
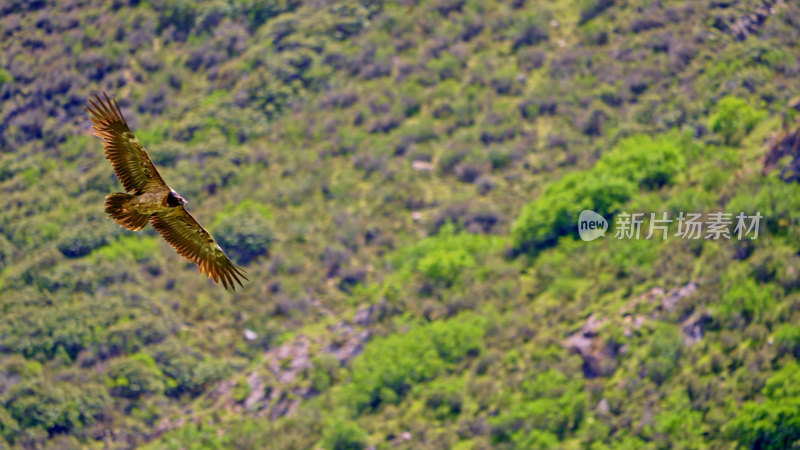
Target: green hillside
[{"x": 402, "y": 182}]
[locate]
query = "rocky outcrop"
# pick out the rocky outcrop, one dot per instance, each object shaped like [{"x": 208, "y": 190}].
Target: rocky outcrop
[
  {"x": 666, "y": 300},
  {"x": 786, "y": 145},
  {"x": 599, "y": 352},
  {"x": 749, "y": 24},
  {"x": 275, "y": 393},
  {"x": 276, "y": 387},
  {"x": 693, "y": 328},
  {"x": 599, "y": 355},
  {"x": 741, "y": 22}
]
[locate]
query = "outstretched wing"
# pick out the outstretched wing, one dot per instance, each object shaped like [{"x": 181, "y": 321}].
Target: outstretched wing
[
  {"x": 194, "y": 243},
  {"x": 132, "y": 164}
]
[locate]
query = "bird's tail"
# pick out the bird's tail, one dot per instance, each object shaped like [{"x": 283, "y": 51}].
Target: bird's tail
[{"x": 116, "y": 207}]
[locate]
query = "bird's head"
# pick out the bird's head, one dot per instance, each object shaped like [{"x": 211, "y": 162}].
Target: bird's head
[{"x": 174, "y": 199}]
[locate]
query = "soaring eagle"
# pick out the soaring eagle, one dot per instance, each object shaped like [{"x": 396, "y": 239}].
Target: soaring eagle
[{"x": 149, "y": 198}]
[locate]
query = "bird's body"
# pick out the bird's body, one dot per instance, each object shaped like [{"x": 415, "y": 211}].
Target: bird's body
[
  {"x": 152, "y": 202},
  {"x": 150, "y": 199}
]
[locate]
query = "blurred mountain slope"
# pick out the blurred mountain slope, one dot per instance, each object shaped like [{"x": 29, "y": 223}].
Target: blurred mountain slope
[{"x": 398, "y": 181}]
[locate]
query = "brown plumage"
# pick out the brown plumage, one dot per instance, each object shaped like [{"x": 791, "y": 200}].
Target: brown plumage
[{"x": 149, "y": 198}]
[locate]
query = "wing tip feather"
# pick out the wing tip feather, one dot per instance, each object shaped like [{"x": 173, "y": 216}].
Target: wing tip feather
[{"x": 214, "y": 265}]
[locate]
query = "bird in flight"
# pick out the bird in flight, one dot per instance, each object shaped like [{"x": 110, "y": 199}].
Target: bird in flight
[{"x": 150, "y": 199}]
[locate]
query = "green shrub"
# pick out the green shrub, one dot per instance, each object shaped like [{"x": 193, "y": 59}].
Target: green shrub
[
  {"x": 325, "y": 372},
  {"x": 665, "y": 348},
  {"x": 5, "y": 77},
  {"x": 787, "y": 338},
  {"x": 636, "y": 161},
  {"x": 185, "y": 371},
  {"x": 390, "y": 366},
  {"x": 648, "y": 162},
  {"x": 444, "y": 397},
  {"x": 126, "y": 336},
  {"x": 80, "y": 242},
  {"x": 180, "y": 14},
  {"x": 678, "y": 423},
  {"x": 777, "y": 202},
  {"x": 446, "y": 66},
  {"x": 445, "y": 265},
  {"x": 744, "y": 301},
  {"x": 9, "y": 427},
  {"x": 134, "y": 376},
  {"x": 551, "y": 403},
  {"x": 343, "y": 435},
  {"x": 139, "y": 247},
  {"x": 245, "y": 232},
  {"x": 775, "y": 422},
  {"x": 64, "y": 329},
  {"x": 555, "y": 213},
  {"x": 52, "y": 406},
  {"x": 444, "y": 257},
  {"x": 734, "y": 119},
  {"x": 536, "y": 439},
  {"x": 632, "y": 257},
  {"x": 196, "y": 436}
]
